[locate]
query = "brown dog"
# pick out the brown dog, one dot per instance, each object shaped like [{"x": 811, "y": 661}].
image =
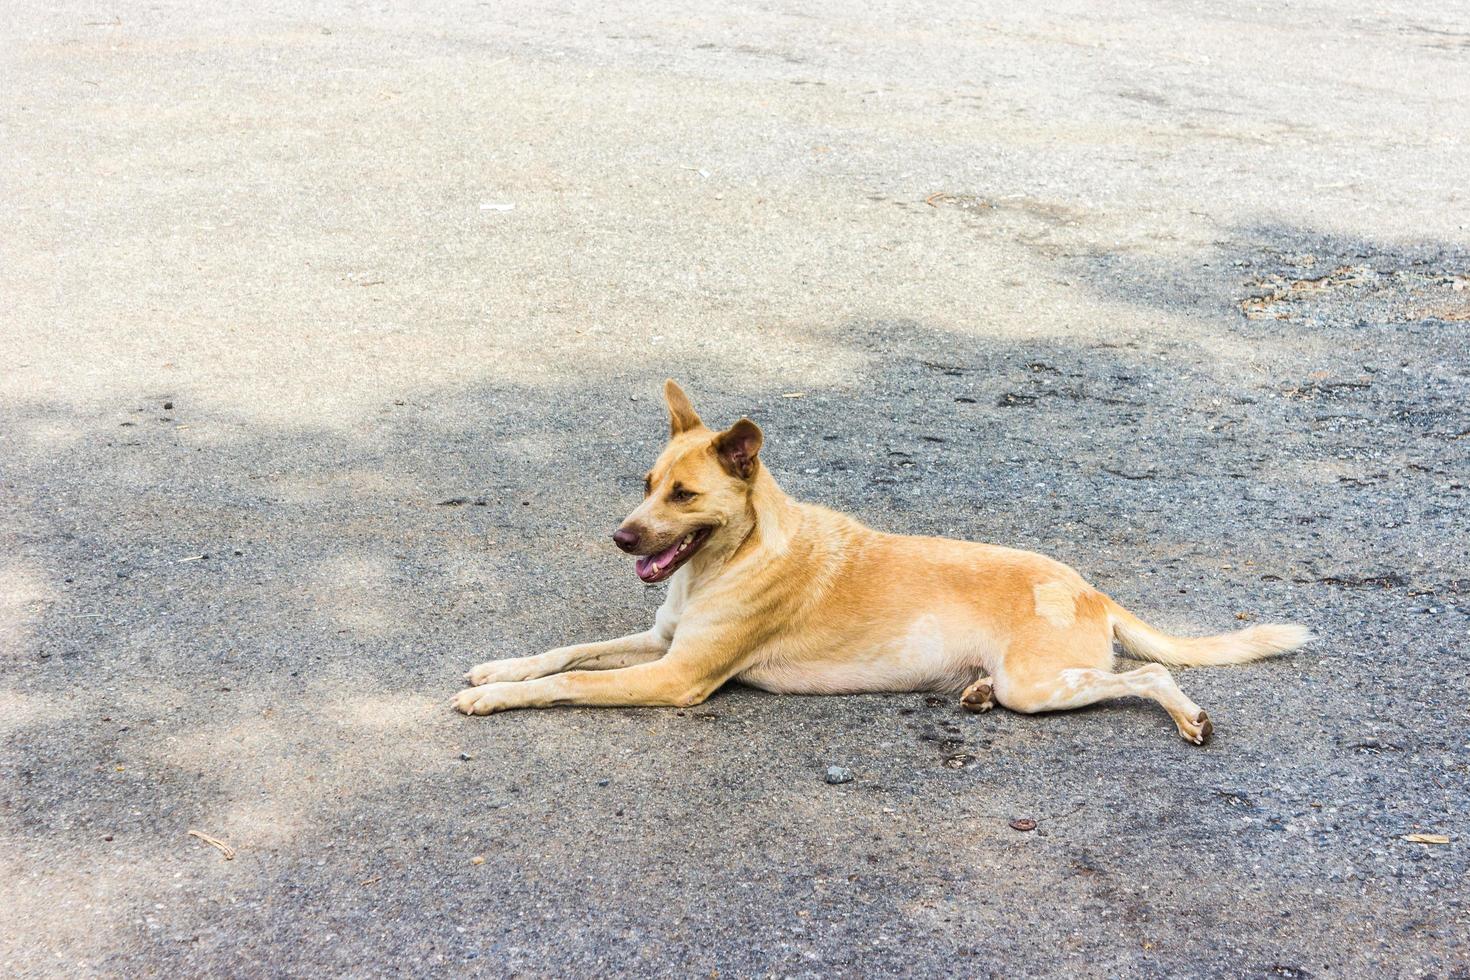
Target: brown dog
[{"x": 795, "y": 598}]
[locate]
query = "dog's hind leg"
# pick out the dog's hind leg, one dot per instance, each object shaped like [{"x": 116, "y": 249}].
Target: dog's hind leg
[
  {"x": 1074, "y": 687},
  {"x": 626, "y": 651}
]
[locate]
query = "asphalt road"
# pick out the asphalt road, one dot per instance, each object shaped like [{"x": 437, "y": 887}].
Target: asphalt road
[{"x": 330, "y": 344}]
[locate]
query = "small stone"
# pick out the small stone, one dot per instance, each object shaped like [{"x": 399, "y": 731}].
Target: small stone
[
  {"x": 837, "y": 774},
  {"x": 465, "y": 757},
  {"x": 603, "y": 782},
  {"x": 167, "y": 406},
  {"x": 1023, "y": 824},
  {"x": 478, "y": 859}
]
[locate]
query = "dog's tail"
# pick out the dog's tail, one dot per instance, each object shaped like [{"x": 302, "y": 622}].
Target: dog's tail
[{"x": 1142, "y": 641}]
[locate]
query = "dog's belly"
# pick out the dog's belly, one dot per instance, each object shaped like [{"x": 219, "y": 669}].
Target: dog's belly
[{"x": 920, "y": 658}]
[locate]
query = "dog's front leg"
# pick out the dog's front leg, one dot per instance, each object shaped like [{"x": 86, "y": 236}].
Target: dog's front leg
[
  {"x": 679, "y": 679},
  {"x": 625, "y": 651}
]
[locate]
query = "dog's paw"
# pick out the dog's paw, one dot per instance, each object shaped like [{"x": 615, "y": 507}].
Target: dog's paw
[
  {"x": 1197, "y": 729},
  {"x": 485, "y": 699},
  {"x": 979, "y": 696},
  {"x": 496, "y": 670}
]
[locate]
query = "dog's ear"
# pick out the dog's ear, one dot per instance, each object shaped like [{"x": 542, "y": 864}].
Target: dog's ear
[
  {"x": 682, "y": 416},
  {"x": 737, "y": 447}
]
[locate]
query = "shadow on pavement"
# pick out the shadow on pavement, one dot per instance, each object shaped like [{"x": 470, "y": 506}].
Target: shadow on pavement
[{"x": 254, "y": 631}]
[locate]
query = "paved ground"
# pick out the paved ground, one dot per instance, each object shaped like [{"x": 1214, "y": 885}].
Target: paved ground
[{"x": 297, "y": 422}]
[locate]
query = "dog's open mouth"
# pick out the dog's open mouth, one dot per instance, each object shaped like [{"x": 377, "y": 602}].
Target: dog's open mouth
[{"x": 656, "y": 568}]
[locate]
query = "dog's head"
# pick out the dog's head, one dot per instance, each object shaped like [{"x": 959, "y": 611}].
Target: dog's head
[{"x": 696, "y": 494}]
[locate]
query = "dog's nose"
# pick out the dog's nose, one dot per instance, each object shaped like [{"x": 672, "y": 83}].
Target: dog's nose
[{"x": 625, "y": 538}]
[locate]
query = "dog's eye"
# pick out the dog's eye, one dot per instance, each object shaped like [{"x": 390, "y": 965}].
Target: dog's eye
[
  {"x": 681, "y": 495},
  {"x": 647, "y": 485}
]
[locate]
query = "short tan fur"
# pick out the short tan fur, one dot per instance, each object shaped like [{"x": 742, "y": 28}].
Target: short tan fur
[{"x": 795, "y": 598}]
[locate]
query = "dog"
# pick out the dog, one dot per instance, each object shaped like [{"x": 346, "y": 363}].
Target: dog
[{"x": 794, "y": 598}]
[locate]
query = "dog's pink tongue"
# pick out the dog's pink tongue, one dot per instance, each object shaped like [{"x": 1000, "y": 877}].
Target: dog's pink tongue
[{"x": 649, "y": 567}]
